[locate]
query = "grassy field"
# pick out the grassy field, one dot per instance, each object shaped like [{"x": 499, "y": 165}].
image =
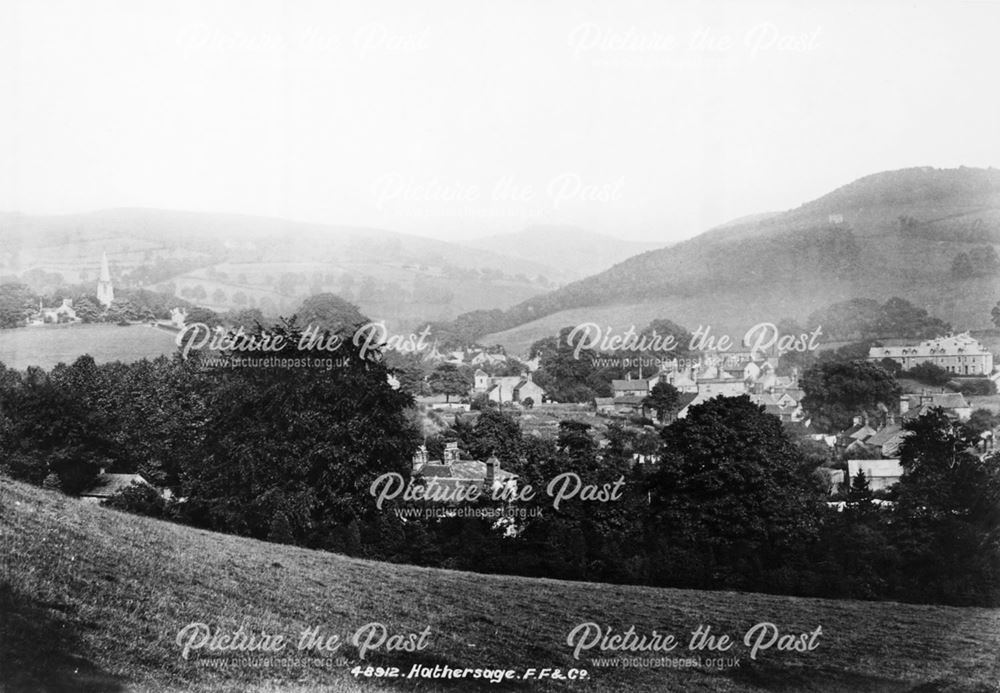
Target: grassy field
[
  {"x": 93, "y": 600},
  {"x": 48, "y": 345}
]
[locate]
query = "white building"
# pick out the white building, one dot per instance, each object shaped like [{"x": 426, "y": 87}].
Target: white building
[
  {"x": 959, "y": 354},
  {"x": 881, "y": 474}
]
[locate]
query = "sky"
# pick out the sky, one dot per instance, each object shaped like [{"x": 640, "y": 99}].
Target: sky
[{"x": 455, "y": 118}]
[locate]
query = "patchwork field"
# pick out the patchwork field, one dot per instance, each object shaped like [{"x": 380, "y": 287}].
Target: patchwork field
[{"x": 93, "y": 600}]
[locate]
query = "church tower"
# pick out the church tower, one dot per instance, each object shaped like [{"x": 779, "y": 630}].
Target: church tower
[{"x": 105, "y": 292}]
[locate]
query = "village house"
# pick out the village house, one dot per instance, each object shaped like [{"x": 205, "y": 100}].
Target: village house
[
  {"x": 725, "y": 386},
  {"x": 636, "y": 388},
  {"x": 453, "y": 473},
  {"x": 881, "y": 474},
  {"x": 959, "y": 354},
  {"x": 60, "y": 314},
  {"x": 485, "y": 358},
  {"x": 634, "y": 405},
  {"x": 781, "y": 405},
  {"x": 505, "y": 389},
  {"x": 954, "y": 404},
  {"x": 886, "y": 441},
  {"x": 681, "y": 380},
  {"x": 107, "y": 485}
]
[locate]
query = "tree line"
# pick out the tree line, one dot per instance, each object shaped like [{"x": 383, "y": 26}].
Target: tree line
[{"x": 289, "y": 454}]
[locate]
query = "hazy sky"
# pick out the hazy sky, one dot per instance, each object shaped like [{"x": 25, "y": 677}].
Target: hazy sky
[{"x": 651, "y": 120}]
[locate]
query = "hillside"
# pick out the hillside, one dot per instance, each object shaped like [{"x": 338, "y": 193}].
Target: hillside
[
  {"x": 92, "y": 600},
  {"x": 234, "y": 261},
  {"x": 890, "y": 234},
  {"x": 580, "y": 252}
]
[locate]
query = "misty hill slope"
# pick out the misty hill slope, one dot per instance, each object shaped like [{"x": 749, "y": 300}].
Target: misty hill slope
[
  {"x": 890, "y": 234},
  {"x": 243, "y": 261},
  {"x": 276, "y": 240},
  {"x": 579, "y": 252},
  {"x": 92, "y": 600}
]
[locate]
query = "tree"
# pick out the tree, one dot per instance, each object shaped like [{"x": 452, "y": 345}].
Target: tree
[
  {"x": 330, "y": 312},
  {"x": 663, "y": 398},
  {"x": 58, "y": 424},
  {"x": 933, "y": 456},
  {"x": 948, "y": 511},
  {"x": 961, "y": 267},
  {"x": 204, "y": 316},
  {"x": 300, "y": 442},
  {"x": 449, "y": 379},
  {"x": 87, "y": 309},
  {"x": 566, "y": 375},
  {"x": 981, "y": 421},
  {"x": 730, "y": 494},
  {"x": 495, "y": 433},
  {"x": 929, "y": 374},
  {"x": 16, "y": 302},
  {"x": 860, "y": 491},
  {"x": 995, "y": 314},
  {"x": 900, "y": 318},
  {"x": 838, "y": 391},
  {"x": 985, "y": 261}
]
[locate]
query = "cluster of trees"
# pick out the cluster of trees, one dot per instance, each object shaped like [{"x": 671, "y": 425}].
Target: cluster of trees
[
  {"x": 980, "y": 262},
  {"x": 284, "y": 453},
  {"x": 288, "y": 455},
  {"x": 18, "y": 302},
  {"x": 571, "y": 375},
  {"x": 860, "y": 319},
  {"x": 837, "y": 391}
]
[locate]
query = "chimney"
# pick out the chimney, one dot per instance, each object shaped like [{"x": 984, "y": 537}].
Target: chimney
[
  {"x": 419, "y": 458},
  {"x": 492, "y": 465},
  {"x": 450, "y": 452},
  {"x": 904, "y": 404}
]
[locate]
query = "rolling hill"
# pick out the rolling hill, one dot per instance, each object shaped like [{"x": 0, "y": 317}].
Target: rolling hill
[
  {"x": 240, "y": 261},
  {"x": 93, "y": 600},
  {"x": 889, "y": 234},
  {"x": 580, "y": 252}
]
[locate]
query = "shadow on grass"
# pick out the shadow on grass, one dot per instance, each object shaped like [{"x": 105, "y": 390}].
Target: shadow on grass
[
  {"x": 41, "y": 651},
  {"x": 788, "y": 679}
]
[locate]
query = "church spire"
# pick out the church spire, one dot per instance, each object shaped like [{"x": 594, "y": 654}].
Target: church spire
[{"x": 105, "y": 291}]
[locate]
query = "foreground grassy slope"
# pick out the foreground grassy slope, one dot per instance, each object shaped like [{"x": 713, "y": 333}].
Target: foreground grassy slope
[{"x": 92, "y": 600}]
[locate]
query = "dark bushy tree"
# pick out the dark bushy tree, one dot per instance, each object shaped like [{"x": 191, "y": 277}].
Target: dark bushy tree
[
  {"x": 730, "y": 492},
  {"x": 662, "y": 399},
  {"x": 838, "y": 391},
  {"x": 303, "y": 442}
]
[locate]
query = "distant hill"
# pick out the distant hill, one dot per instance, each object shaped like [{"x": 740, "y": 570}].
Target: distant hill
[
  {"x": 889, "y": 234},
  {"x": 577, "y": 252},
  {"x": 92, "y": 600},
  {"x": 240, "y": 261}
]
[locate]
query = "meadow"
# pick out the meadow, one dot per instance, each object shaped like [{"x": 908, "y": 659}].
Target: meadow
[
  {"x": 93, "y": 600},
  {"x": 48, "y": 345}
]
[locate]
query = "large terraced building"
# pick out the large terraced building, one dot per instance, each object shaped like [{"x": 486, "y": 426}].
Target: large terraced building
[{"x": 959, "y": 354}]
